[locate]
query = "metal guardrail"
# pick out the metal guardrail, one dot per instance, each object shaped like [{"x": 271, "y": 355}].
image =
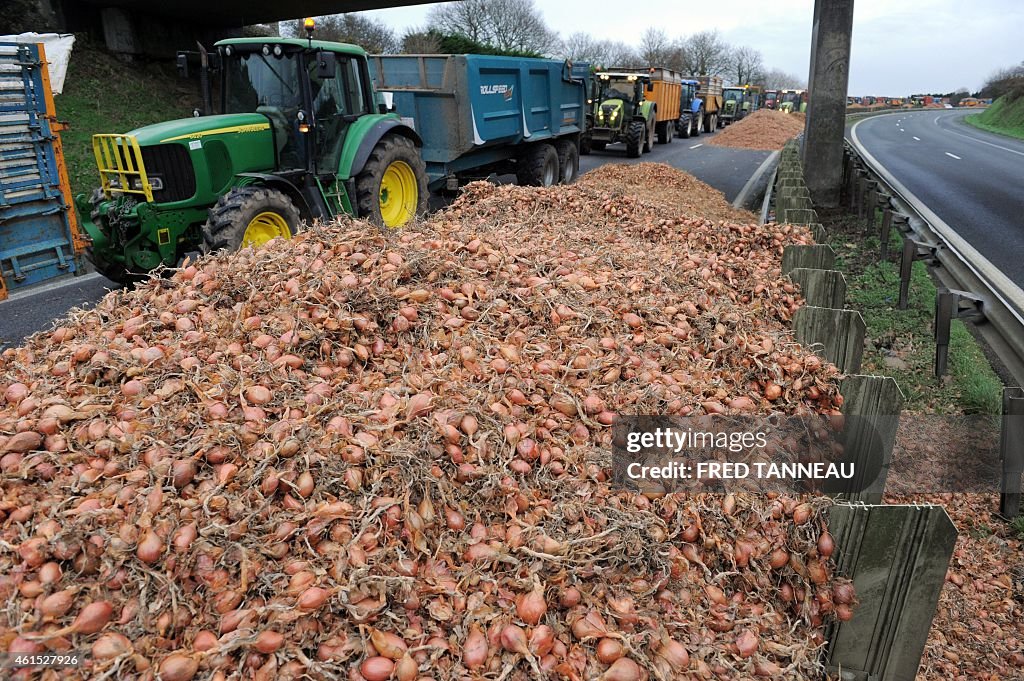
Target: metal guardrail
[{"x": 974, "y": 289}]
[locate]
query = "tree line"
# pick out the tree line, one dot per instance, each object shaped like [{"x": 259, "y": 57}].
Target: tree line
[{"x": 516, "y": 27}]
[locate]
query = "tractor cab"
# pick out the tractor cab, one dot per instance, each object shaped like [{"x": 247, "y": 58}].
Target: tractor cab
[
  {"x": 771, "y": 99},
  {"x": 793, "y": 100}
]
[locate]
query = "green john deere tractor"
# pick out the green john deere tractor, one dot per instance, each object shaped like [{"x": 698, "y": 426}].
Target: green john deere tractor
[
  {"x": 622, "y": 114},
  {"x": 300, "y": 135}
]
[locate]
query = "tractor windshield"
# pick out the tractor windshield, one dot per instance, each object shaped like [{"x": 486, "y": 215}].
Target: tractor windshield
[
  {"x": 617, "y": 88},
  {"x": 733, "y": 95},
  {"x": 255, "y": 80}
]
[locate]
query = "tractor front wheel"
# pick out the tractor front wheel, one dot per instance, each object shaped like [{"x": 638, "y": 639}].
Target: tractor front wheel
[
  {"x": 649, "y": 137},
  {"x": 685, "y": 132},
  {"x": 635, "y": 139},
  {"x": 392, "y": 187},
  {"x": 249, "y": 216},
  {"x": 698, "y": 126}
]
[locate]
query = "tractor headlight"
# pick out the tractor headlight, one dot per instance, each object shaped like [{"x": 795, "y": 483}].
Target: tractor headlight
[
  {"x": 266, "y": 50},
  {"x": 154, "y": 182},
  {"x": 278, "y": 51},
  {"x": 615, "y": 114}
]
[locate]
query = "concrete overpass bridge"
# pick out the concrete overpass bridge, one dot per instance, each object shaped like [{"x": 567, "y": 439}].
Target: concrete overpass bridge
[{"x": 157, "y": 28}]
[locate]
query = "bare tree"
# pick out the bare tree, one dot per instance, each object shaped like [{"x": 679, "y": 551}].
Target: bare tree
[
  {"x": 747, "y": 64},
  {"x": 372, "y": 35},
  {"x": 622, "y": 55},
  {"x": 1005, "y": 81},
  {"x": 505, "y": 24},
  {"x": 706, "y": 53},
  {"x": 655, "y": 47},
  {"x": 584, "y": 47},
  {"x": 776, "y": 79}
]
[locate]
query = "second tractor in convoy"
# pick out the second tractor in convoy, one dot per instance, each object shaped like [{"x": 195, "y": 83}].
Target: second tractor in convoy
[{"x": 622, "y": 112}]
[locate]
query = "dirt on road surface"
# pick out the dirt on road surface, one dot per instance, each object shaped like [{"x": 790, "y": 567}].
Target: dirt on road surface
[{"x": 762, "y": 129}]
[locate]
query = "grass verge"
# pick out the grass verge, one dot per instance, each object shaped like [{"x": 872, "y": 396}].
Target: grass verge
[
  {"x": 1004, "y": 117},
  {"x": 104, "y": 94},
  {"x": 900, "y": 343}
]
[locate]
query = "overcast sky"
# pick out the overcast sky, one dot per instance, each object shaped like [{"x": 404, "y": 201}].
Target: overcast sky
[{"x": 899, "y": 46}]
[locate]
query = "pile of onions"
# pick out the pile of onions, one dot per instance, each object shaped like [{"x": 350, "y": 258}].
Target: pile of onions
[{"x": 384, "y": 457}]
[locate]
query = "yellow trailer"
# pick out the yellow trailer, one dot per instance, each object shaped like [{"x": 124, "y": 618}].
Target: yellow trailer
[{"x": 666, "y": 92}]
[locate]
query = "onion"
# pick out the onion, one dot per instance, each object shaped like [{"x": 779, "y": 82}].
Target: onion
[
  {"x": 570, "y": 597},
  {"x": 674, "y": 653},
  {"x": 623, "y": 669},
  {"x": 178, "y": 667},
  {"x": 474, "y": 651},
  {"x": 57, "y": 604},
  {"x": 111, "y": 645},
  {"x": 387, "y": 644},
  {"x": 312, "y": 598},
  {"x": 609, "y": 650},
  {"x": 746, "y": 643},
  {"x": 513, "y": 639},
  {"x": 15, "y": 393},
  {"x": 531, "y": 606},
  {"x": 268, "y": 641},
  {"x": 826, "y": 545},
  {"x": 406, "y": 669},
  {"x": 23, "y": 442},
  {"x": 542, "y": 640},
  {"x": 376, "y": 668},
  {"x": 150, "y": 548}
]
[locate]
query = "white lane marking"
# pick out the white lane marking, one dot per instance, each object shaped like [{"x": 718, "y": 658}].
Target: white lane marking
[
  {"x": 953, "y": 156},
  {"x": 917, "y": 138},
  {"x": 697, "y": 145},
  {"x": 981, "y": 141}
]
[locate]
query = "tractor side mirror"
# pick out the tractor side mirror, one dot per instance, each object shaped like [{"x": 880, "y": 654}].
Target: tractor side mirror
[
  {"x": 326, "y": 65},
  {"x": 182, "y": 63}
]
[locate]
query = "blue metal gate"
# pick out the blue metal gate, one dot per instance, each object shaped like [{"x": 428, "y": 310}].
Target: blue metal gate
[{"x": 37, "y": 241}]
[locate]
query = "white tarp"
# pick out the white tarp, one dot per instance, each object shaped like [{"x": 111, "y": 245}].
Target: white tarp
[{"x": 58, "y": 53}]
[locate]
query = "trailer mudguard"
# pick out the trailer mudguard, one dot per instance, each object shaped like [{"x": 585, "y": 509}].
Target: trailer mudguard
[{"x": 355, "y": 155}]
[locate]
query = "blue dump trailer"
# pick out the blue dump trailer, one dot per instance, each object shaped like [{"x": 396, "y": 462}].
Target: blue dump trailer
[{"x": 480, "y": 114}]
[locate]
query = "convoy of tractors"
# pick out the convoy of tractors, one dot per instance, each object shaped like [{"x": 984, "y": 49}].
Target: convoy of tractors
[{"x": 299, "y": 129}]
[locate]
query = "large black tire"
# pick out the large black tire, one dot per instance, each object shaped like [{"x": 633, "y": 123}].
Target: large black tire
[
  {"x": 585, "y": 146},
  {"x": 399, "y": 155},
  {"x": 685, "y": 132},
  {"x": 115, "y": 273},
  {"x": 635, "y": 138},
  {"x": 235, "y": 211},
  {"x": 649, "y": 135},
  {"x": 568, "y": 161},
  {"x": 698, "y": 124},
  {"x": 538, "y": 166},
  {"x": 662, "y": 130}
]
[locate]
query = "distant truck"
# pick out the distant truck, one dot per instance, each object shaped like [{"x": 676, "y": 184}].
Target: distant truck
[
  {"x": 480, "y": 114},
  {"x": 711, "y": 92}
]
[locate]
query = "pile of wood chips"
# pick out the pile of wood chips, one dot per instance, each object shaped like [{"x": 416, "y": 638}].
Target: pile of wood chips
[{"x": 764, "y": 129}]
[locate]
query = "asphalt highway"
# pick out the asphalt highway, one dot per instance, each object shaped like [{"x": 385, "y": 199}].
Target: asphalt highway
[
  {"x": 972, "y": 179},
  {"x": 37, "y": 309}
]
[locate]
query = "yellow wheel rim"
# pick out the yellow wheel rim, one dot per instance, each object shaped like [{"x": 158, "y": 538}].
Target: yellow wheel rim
[
  {"x": 264, "y": 227},
  {"x": 399, "y": 194}
]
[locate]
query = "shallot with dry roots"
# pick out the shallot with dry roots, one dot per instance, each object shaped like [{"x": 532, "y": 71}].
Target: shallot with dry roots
[{"x": 386, "y": 456}]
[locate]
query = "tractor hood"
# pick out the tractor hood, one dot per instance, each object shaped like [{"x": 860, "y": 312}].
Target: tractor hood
[
  {"x": 183, "y": 130},
  {"x": 609, "y": 112}
]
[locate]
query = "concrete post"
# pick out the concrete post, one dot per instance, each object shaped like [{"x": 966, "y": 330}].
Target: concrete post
[{"x": 826, "y": 120}]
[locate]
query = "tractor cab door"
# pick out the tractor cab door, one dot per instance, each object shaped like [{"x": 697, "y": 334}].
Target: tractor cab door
[{"x": 337, "y": 100}]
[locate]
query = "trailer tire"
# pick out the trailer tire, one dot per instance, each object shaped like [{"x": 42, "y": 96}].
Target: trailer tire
[
  {"x": 568, "y": 161},
  {"x": 538, "y": 166},
  {"x": 249, "y": 216},
  {"x": 392, "y": 187},
  {"x": 649, "y": 136},
  {"x": 665, "y": 131},
  {"x": 635, "y": 139}
]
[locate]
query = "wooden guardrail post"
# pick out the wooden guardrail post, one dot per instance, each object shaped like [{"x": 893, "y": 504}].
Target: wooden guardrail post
[{"x": 839, "y": 333}]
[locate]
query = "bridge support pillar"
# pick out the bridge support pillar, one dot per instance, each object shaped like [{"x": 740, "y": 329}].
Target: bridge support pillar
[{"x": 826, "y": 107}]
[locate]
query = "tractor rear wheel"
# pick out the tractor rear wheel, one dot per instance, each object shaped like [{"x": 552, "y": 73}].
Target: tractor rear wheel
[
  {"x": 568, "y": 161},
  {"x": 392, "y": 187},
  {"x": 249, "y": 216},
  {"x": 635, "y": 139},
  {"x": 538, "y": 166}
]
